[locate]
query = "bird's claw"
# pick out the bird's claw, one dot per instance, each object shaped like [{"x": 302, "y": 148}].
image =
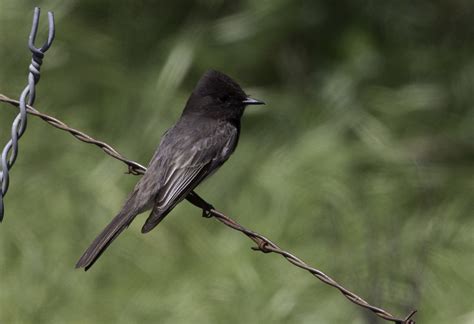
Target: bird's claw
[{"x": 206, "y": 211}]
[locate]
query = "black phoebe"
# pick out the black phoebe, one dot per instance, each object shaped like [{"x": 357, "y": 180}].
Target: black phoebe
[{"x": 204, "y": 137}]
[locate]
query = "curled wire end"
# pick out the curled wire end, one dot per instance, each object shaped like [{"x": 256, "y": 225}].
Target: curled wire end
[
  {"x": 132, "y": 169},
  {"x": 262, "y": 246},
  {"x": 34, "y": 30}
]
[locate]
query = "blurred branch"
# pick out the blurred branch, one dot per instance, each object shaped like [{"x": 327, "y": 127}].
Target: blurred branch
[{"x": 263, "y": 244}]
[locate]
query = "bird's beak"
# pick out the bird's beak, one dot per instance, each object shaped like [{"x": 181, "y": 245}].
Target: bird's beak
[{"x": 251, "y": 101}]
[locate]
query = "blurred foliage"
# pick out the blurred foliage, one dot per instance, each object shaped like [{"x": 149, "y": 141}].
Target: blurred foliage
[{"x": 361, "y": 163}]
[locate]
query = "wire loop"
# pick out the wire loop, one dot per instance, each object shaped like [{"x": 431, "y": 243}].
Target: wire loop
[{"x": 28, "y": 95}]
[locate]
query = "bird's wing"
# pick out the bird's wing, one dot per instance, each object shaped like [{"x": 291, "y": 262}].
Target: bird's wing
[{"x": 187, "y": 168}]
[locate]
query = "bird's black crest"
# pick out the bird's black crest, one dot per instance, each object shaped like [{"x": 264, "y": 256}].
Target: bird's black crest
[{"x": 214, "y": 83}]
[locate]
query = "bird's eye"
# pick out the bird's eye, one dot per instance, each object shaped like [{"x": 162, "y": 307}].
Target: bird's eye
[{"x": 224, "y": 98}]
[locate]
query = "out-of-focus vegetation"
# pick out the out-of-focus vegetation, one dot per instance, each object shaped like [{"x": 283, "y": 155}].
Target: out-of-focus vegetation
[{"x": 361, "y": 162}]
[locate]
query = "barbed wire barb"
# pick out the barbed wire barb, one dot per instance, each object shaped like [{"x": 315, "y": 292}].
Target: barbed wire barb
[
  {"x": 263, "y": 244},
  {"x": 10, "y": 151}
]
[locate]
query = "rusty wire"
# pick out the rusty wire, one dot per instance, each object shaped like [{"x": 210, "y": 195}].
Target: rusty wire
[
  {"x": 10, "y": 151},
  {"x": 263, "y": 244}
]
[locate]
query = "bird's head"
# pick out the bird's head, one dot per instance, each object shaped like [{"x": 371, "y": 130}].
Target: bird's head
[{"x": 217, "y": 95}]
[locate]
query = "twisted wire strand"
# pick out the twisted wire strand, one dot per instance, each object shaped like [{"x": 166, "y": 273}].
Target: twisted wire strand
[
  {"x": 133, "y": 167},
  {"x": 10, "y": 151},
  {"x": 263, "y": 244},
  {"x": 267, "y": 246}
]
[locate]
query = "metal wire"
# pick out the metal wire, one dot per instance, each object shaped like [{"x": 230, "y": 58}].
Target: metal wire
[
  {"x": 10, "y": 151},
  {"x": 263, "y": 244},
  {"x": 266, "y": 246},
  {"x": 133, "y": 167}
]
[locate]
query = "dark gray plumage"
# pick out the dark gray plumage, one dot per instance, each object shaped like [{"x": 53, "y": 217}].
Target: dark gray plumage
[{"x": 198, "y": 144}]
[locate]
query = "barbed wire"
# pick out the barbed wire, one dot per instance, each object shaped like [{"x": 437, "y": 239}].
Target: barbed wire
[
  {"x": 133, "y": 167},
  {"x": 10, "y": 151},
  {"x": 263, "y": 244}
]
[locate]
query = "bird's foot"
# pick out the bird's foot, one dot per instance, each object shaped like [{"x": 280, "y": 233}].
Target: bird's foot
[
  {"x": 197, "y": 201},
  {"x": 206, "y": 211}
]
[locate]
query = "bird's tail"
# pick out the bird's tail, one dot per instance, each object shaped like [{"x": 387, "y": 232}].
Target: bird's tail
[{"x": 102, "y": 242}]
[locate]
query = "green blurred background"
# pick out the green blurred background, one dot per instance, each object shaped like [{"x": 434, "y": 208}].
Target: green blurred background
[{"x": 361, "y": 163}]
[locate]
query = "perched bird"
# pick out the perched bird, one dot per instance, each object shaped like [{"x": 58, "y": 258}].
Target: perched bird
[{"x": 204, "y": 137}]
